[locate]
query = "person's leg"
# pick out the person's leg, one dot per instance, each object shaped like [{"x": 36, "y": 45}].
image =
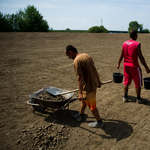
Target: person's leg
[
  {"x": 126, "y": 88},
  {"x": 127, "y": 82},
  {"x": 91, "y": 103},
  {"x": 98, "y": 123},
  {"x": 137, "y": 77},
  {"x": 138, "y": 92},
  {"x": 78, "y": 116},
  {"x": 82, "y": 108},
  {"x": 125, "y": 97},
  {"x": 139, "y": 99},
  {"x": 96, "y": 114}
]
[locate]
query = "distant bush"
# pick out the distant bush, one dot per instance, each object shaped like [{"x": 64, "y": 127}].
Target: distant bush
[
  {"x": 97, "y": 29},
  {"x": 145, "y": 31},
  {"x": 67, "y": 29},
  {"x": 134, "y": 25}
]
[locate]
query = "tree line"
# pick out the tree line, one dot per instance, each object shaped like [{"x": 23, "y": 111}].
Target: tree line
[
  {"x": 133, "y": 25},
  {"x": 30, "y": 20}
]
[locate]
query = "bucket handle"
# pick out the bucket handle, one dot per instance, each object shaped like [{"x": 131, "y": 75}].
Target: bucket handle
[{"x": 118, "y": 71}]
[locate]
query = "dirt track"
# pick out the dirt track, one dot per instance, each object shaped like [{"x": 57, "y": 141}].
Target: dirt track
[{"x": 32, "y": 61}]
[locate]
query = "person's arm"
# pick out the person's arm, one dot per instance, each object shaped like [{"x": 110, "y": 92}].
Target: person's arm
[
  {"x": 81, "y": 84},
  {"x": 142, "y": 59},
  {"x": 120, "y": 59},
  {"x": 99, "y": 82}
]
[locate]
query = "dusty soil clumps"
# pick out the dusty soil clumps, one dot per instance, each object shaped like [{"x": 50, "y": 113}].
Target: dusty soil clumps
[{"x": 47, "y": 96}]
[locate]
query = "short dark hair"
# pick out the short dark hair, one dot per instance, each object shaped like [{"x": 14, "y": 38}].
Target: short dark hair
[
  {"x": 133, "y": 33},
  {"x": 70, "y": 48}
]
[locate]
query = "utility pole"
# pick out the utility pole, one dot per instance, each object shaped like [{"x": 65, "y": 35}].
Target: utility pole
[{"x": 101, "y": 21}]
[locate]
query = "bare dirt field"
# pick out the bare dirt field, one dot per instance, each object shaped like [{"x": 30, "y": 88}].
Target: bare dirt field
[{"x": 32, "y": 61}]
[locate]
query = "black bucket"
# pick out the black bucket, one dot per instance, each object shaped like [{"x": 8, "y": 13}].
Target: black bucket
[
  {"x": 147, "y": 83},
  {"x": 117, "y": 77}
]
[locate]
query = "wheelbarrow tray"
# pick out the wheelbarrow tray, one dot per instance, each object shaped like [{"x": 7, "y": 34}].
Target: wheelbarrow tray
[{"x": 52, "y": 104}]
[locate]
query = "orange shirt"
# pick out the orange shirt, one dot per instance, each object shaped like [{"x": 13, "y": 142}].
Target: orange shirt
[{"x": 84, "y": 65}]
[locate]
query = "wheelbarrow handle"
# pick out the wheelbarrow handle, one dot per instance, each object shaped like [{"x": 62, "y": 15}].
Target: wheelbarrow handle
[
  {"x": 69, "y": 92},
  {"x": 109, "y": 81},
  {"x": 30, "y": 103}
]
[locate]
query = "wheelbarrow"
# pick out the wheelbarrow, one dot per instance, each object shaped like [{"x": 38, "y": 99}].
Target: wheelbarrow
[{"x": 40, "y": 105}]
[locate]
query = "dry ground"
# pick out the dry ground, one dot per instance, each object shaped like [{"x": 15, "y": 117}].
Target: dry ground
[{"x": 31, "y": 61}]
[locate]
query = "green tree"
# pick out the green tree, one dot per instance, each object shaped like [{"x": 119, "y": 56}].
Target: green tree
[
  {"x": 141, "y": 27},
  {"x": 20, "y": 23},
  {"x": 5, "y": 25},
  {"x": 31, "y": 20},
  {"x": 133, "y": 25},
  {"x": 67, "y": 29},
  {"x": 94, "y": 29},
  {"x": 145, "y": 31},
  {"x": 13, "y": 21},
  {"x": 97, "y": 29},
  {"x": 103, "y": 29}
]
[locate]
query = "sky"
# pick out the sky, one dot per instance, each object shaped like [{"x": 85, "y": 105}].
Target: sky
[{"x": 83, "y": 14}]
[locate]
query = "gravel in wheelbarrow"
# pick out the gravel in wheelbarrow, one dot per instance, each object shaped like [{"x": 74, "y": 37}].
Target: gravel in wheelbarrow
[
  {"x": 47, "y": 96},
  {"x": 45, "y": 99}
]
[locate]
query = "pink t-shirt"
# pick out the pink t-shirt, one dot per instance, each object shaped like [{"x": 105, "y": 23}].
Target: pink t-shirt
[{"x": 130, "y": 53}]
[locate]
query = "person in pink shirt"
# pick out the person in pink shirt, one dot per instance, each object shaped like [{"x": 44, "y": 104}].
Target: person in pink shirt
[{"x": 131, "y": 51}]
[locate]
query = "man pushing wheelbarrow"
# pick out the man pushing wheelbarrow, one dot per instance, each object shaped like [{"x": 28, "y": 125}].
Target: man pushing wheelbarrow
[{"x": 88, "y": 81}]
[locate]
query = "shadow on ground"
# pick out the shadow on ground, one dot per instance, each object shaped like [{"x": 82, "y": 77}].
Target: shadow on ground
[
  {"x": 117, "y": 129},
  {"x": 133, "y": 99},
  {"x": 64, "y": 117},
  {"x": 114, "y": 129}
]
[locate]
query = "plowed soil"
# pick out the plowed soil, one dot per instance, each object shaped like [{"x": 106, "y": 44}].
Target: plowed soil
[{"x": 32, "y": 61}]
